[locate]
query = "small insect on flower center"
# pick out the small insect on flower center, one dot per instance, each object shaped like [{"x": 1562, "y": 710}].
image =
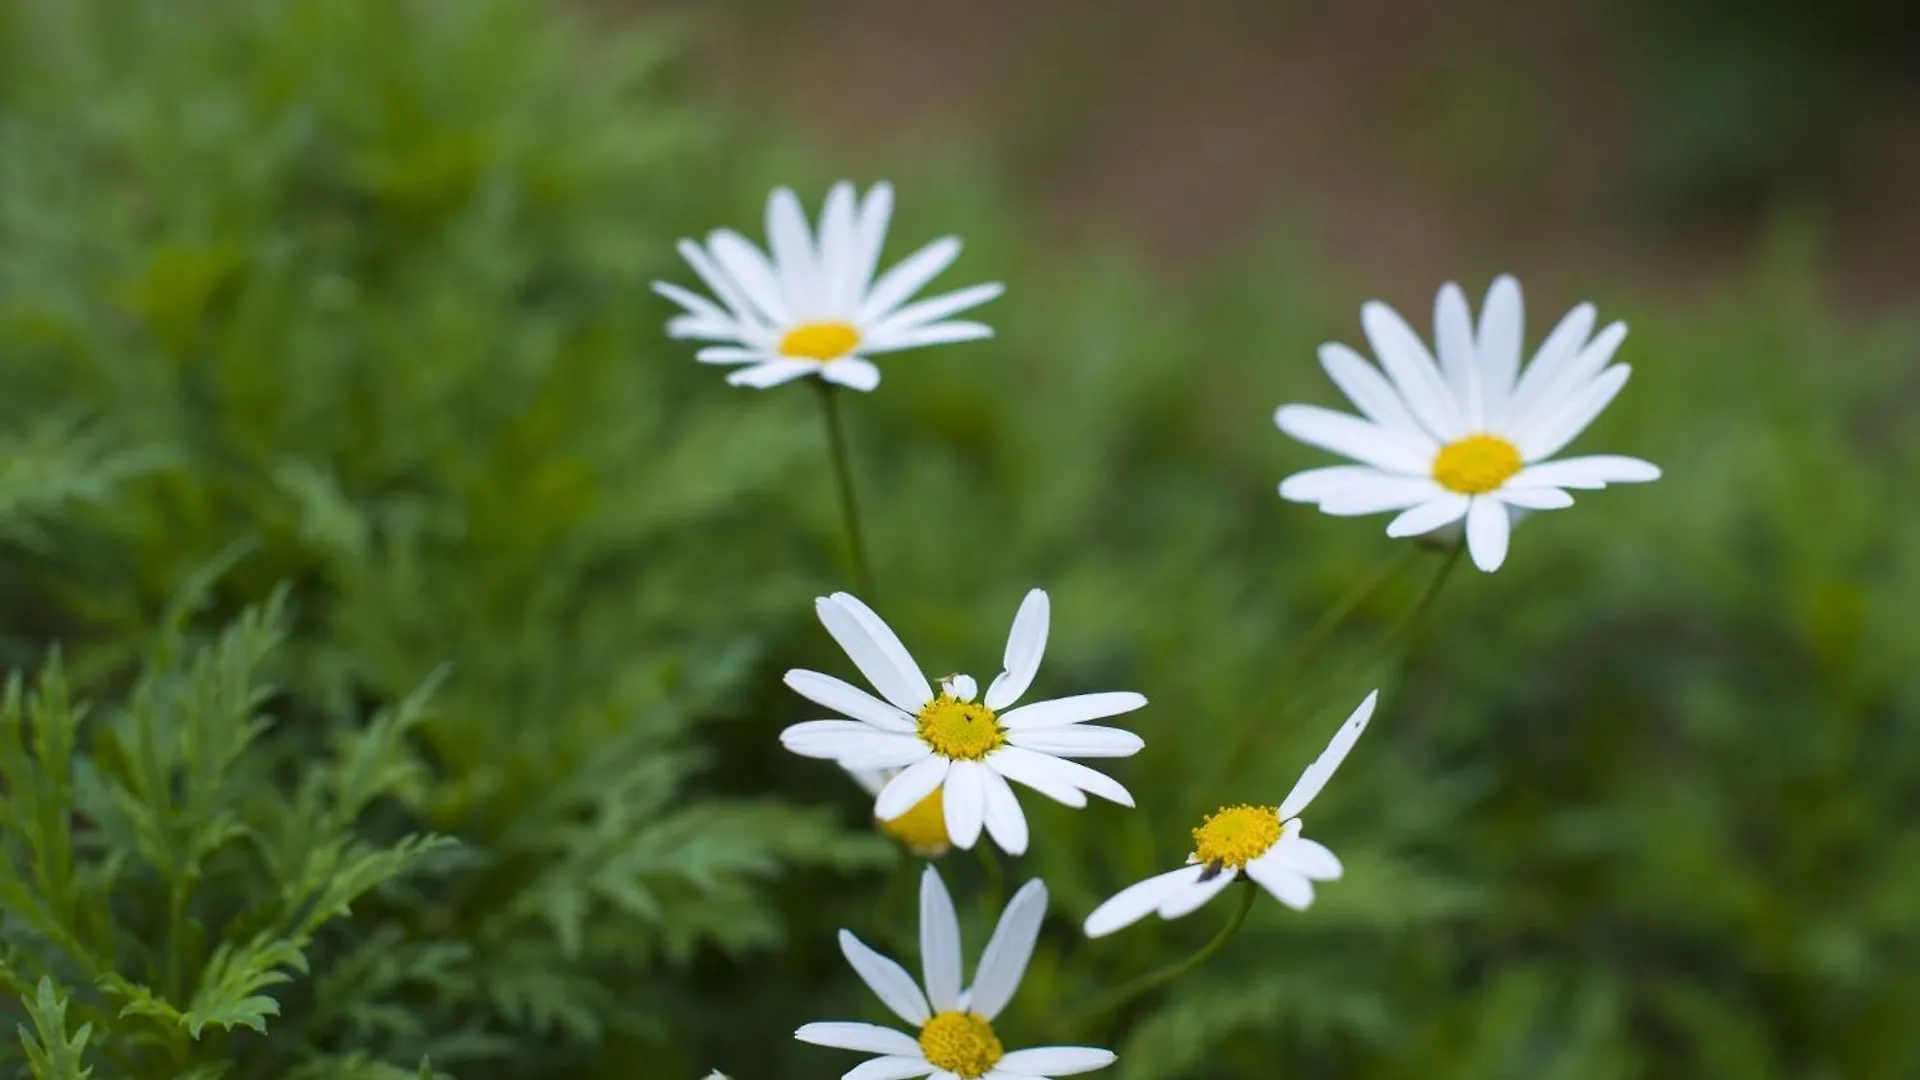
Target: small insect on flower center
[
  {"x": 922, "y": 829},
  {"x": 961, "y": 1043},
  {"x": 1236, "y": 835},
  {"x": 820, "y": 341},
  {"x": 1476, "y": 464},
  {"x": 960, "y": 730}
]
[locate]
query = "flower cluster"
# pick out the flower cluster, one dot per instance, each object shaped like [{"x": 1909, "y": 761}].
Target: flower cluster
[{"x": 1462, "y": 433}]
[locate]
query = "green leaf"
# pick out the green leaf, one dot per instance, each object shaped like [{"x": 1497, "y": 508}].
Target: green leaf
[{"x": 51, "y": 1052}]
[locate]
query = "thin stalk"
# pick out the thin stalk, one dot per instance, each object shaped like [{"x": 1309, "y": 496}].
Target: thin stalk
[
  {"x": 843, "y": 477},
  {"x": 1153, "y": 980}
]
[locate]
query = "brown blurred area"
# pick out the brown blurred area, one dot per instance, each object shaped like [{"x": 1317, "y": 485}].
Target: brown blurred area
[{"x": 1406, "y": 141}]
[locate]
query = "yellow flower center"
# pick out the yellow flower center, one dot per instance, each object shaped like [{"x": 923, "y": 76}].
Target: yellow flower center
[
  {"x": 960, "y": 730},
  {"x": 923, "y": 829},
  {"x": 1236, "y": 835},
  {"x": 961, "y": 1043},
  {"x": 820, "y": 341},
  {"x": 1476, "y": 464}
]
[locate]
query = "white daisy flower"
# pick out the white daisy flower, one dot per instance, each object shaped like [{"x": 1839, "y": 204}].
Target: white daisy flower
[
  {"x": 1470, "y": 437},
  {"x": 922, "y": 830},
  {"x": 1258, "y": 842},
  {"x": 955, "y": 1039},
  {"x": 948, "y": 743},
  {"x": 814, "y": 307}
]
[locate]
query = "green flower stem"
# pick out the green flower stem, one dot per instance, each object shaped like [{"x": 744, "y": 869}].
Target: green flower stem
[
  {"x": 843, "y": 475},
  {"x": 1154, "y": 980}
]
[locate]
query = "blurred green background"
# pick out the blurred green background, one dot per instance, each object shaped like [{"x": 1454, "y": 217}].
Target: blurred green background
[{"x": 350, "y": 299}]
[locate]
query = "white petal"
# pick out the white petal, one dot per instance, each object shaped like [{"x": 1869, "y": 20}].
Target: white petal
[
  {"x": 871, "y": 1038},
  {"x": 1289, "y": 886},
  {"x": 939, "y": 942},
  {"x": 913, "y": 783},
  {"x": 960, "y": 687},
  {"x": 1069, "y": 710},
  {"x": 1355, "y": 438},
  {"x": 719, "y": 281},
  {"x": 1309, "y": 857},
  {"x": 897, "y": 1067},
  {"x": 906, "y": 278},
  {"x": 1589, "y": 473},
  {"x": 1549, "y": 435},
  {"x": 1134, "y": 902},
  {"x": 1459, "y": 357},
  {"x": 748, "y": 267},
  {"x": 1539, "y": 398},
  {"x": 1502, "y": 331},
  {"x": 772, "y": 373},
  {"x": 1534, "y": 498},
  {"x": 1006, "y": 823},
  {"x": 871, "y": 780},
  {"x": 1313, "y": 485},
  {"x": 1088, "y": 780},
  {"x": 965, "y": 802},
  {"x": 1037, "y": 772},
  {"x": 1560, "y": 348},
  {"x": 1004, "y": 962},
  {"x": 932, "y": 310},
  {"x": 795, "y": 265},
  {"x": 1079, "y": 740},
  {"x": 875, "y": 650},
  {"x": 1405, "y": 360},
  {"x": 1382, "y": 493},
  {"x": 838, "y": 248},
  {"x": 852, "y": 373},
  {"x": 884, "y": 752},
  {"x": 731, "y": 354},
  {"x": 1428, "y": 516},
  {"x": 848, "y": 741},
  {"x": 694, "y": 328},
  {"x": 1026, "y": 644},
  {"x": 1186, "y": 899},
  {"x": 1317, "y": 774},
  {"x": 1055, "y": 1060},
  {"x": 848, "y": 700},
  {"x": 945, "y": 333},
  {"x": 698, "y": 306},
  {"x": 1372, "y": 394},
  {"x": 870, "y": 236},
  {"x": 888, "y": 980},
  {"x": 1488, "y": 529}
]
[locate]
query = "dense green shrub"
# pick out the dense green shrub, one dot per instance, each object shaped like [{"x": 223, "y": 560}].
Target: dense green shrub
[{"x": 431, "y": 606}]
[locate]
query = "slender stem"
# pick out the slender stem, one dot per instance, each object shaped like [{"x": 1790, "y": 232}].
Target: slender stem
[
  {"x": 1357, "y": 597},
  {"x": 1153, "y": 980},
  {"x": 843, "y": 475}
]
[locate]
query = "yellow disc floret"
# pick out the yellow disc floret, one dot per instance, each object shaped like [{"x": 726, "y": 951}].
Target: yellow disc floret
[
  {"x": 961, "y": 1043},
  {"x": 1476, "y": 464},
  {"x": 820, "y": 341},
  {"x": 923, "y": 829},
  {"x": 1236, "y": 835},
  {"x": 961, "y": 730}
]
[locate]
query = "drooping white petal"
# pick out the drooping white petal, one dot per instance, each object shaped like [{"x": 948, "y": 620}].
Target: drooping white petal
[
  {"x": 906, "y": 278},
  {"x": 1372, "y": 394},
  {"x": 875, "y": 650},
  {"x": 696, "y": 305},
  {"x": 888, "y": 980},
  {"x": 965, "y": 803},
  {"x": 1069, "y": 710},
  {"x": 939, "y": 942},
  {"x": 1136, "y": 901},
  {"x": 909, "y": 786},
  {"x": 1405, "y": 359},
  {"x": 1005, "y": 821},
  {"x": 750, "y": 270},
  {"x": 1078, "y": 740},
  {"x": 1026, "y": 644},
  {"x": 944, "y": 333},
  {"x": 1317, "y": 774},
  {"x": 926, "y": 312},
  {"x": 1037, "y": 772},
  {"x": 871, "y": 1038},
  {"x": 1353, "y": 437},
  {"x": 1488, "y": 529},
  {"x": 1055, "y": 1060},
  {"x": 1309, "y": 857},
  {"x": 1430, "y": 515},
  {"x": 1185, "y": 899},
  {"x": 893, "y": 1067},
  {"x": 1374, "y": 495},
  {"x": 1004, "y": 962},
  {"x": 1586, "y": 473},
  {"x": 772, "y": 373},
  {"x": 1550, "y": 434},
  {"x": 848, "y": 700},
  {"x": 1289, "y": 886},
  {"x": 1088, "y": 780},
  {"x": 1534, "y": 498},
  {"x": 719, "y": 281},
  {"x": 1459, "y": 356},
  {"x": 1502, "y": 333},
  {"x": 851, "y": 372},
  {"x": 795, "y": 264}
]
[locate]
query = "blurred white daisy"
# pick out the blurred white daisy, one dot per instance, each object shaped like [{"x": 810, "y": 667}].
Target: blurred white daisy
[
  {"x": 1259, "y": 842},
  {"x": 955, "y": 1036},
  {"x": 1469, "y": 437},
  {"x": 815, "y": 307},
  {"x": 966, "y": 750},
  {"x": 922, "y": 830}
]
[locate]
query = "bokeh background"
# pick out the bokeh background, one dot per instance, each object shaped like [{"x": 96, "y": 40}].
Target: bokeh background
[{"x": 350, "y": 298}]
